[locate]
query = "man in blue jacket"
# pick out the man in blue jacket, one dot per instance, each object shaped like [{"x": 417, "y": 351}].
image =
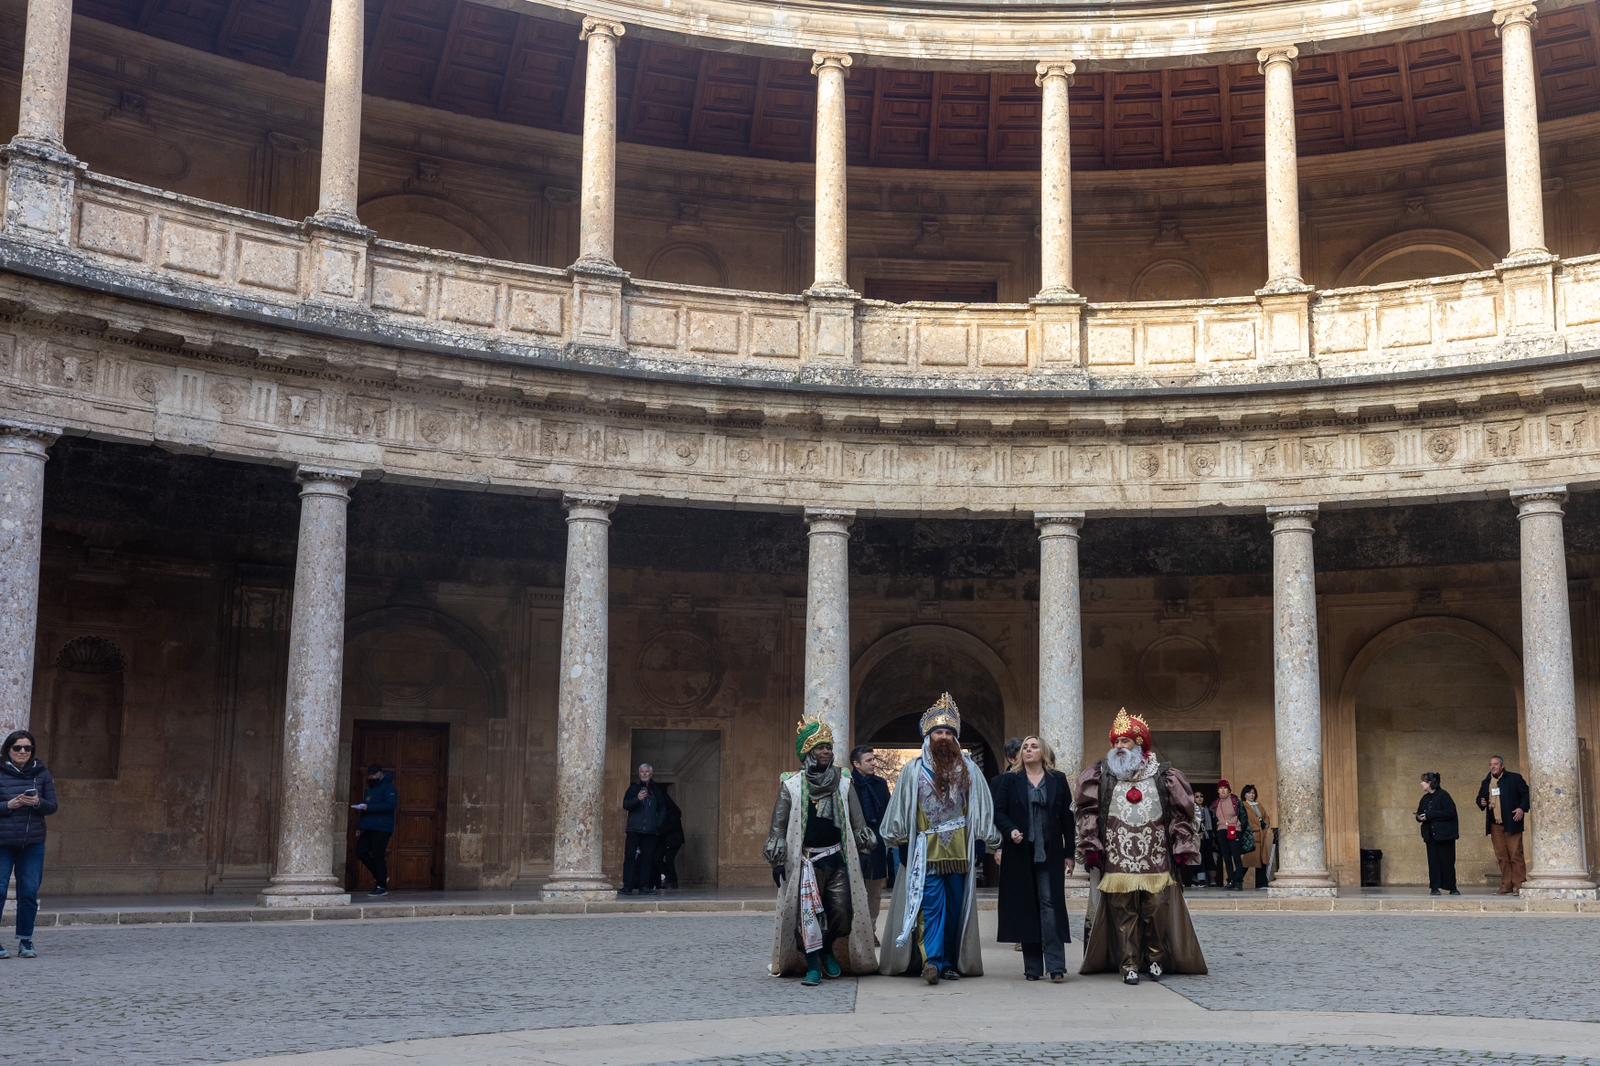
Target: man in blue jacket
[{"x": 377, "y": 826}]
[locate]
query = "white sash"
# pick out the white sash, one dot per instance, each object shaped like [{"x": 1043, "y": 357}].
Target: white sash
[{"x": 916, "y": 873}]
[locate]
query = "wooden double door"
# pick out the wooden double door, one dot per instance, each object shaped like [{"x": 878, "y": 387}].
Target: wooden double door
[{"x": 418, "y": 753}]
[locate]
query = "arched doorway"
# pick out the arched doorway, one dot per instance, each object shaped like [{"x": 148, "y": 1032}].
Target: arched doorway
[
  {"x": 1437, "y": 694},
  {"x": 897, "y": 679}
]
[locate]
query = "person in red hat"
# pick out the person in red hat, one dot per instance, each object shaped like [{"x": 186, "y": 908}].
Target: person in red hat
[{"x": 1135, "y": 828}]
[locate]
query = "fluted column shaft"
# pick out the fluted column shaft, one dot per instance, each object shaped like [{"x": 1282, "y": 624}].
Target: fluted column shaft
[
  {"x": 1277, "y": 65},
  {"x": 22, "y": 458},
  {"x": 1055, "y": 181},
  {"x": 581, "y": 704},
  {"x": 827, "y": 669},
  {"x": 832, "y": 211},
  {"x": 42, "y": 111},
  {"x": 303, "y": 872},
  {"x": 341, "y": 114},
  {"x": 1297, "y": 706},
  {"x": 1557, "y": 870},
  {"x": 597, "y": 219},
  {"x": 1524, "y": 180}
]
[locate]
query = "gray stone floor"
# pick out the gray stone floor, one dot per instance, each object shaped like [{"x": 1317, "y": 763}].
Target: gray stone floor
[
  {"x": 1423, "y": 964},
  {"x": 1150, "y": 1053},
  {"x": 167, "y": 995}
]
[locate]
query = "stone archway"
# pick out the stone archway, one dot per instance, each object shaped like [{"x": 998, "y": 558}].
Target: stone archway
[
  {"x": 1431, "y": 693},
  {"x": 1416, "y": 253},
  {"x": 895, "y": 680}
]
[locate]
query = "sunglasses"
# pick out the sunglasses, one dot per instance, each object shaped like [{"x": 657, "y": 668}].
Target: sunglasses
[{"x": 22, "y": 747}]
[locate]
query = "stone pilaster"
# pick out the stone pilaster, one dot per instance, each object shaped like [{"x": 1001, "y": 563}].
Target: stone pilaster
[
  {"x": 597, "y": 212},
  {"x": 1557, "y": 869},
  {"x": 1524, "y": 185},
  {"x": 577, "y": 872},
  {"x": 341, "y": 116},
  {"x": 831, "y": 275},
  {"x": 303, "y": 871},
  {"x": 1061, "y": 647},
  {"x": 1277, "y": 65},
  {"x": 22, "y": 458},
  {"x": 1055, "y": 182},
  {"x": 1297, "y": 706},
  {"x": 827, "y": 670}
]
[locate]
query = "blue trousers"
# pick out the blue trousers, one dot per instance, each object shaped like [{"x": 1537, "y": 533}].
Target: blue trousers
[
  {"x": 944, "y": 898},
  {"x": 28, "y": 861}
]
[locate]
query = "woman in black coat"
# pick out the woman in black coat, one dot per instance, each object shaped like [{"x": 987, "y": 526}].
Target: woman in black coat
[
  {"x": 27, "y": 798},
  {"x": 1436, "y": 813},
  {"x": 1033, "y": 813}
]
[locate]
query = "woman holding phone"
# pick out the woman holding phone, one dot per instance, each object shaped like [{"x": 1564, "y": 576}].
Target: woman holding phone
[{"x": 27, "y": 797}]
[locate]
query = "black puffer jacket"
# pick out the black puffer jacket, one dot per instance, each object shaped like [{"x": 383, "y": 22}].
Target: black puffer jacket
[{"x": 25, "y": 825}]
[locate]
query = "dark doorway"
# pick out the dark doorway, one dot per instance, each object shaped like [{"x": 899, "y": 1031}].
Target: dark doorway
[
  {"x": 418, "y": 753},
  {"x": 941, "y": 290},
  {"x": 689, "y": 763}
]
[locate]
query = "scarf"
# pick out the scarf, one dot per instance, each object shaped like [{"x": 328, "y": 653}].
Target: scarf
[{"x": 820, "y": 791}]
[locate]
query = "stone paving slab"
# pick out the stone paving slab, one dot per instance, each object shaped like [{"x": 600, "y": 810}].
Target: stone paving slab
[{"x": 1148, "y": 1053}]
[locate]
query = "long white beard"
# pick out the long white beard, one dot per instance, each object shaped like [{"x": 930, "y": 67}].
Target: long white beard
[{"x": 1125, "y": 764}]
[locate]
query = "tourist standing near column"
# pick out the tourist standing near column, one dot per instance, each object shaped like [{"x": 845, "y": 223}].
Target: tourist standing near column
[
  {"x": 1134, "y": 830},
  {"x": 646, "y": 811},
  {"x": 27, "y": 798},
  {"x": 1033, "y": 813},
  {"x": 1503, "y": 799},
  {"x": 377, "y": 809},
  {"x": 941, "y": 809},
  {"x": 817, "y": 833},
  {"x": 1441, "y": 828},
  {"x": 874, "y": 793}
]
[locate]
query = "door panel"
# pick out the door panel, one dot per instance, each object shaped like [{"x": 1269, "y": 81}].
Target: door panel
[{"x": 418, "y": 753}]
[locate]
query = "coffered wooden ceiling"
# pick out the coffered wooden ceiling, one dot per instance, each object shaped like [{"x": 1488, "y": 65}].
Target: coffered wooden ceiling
[{"x": 499, "y": 64}]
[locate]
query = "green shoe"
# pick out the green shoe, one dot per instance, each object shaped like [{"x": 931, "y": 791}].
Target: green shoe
[
  {"x": 830, "y": 965},
  {"x": 813, "y": 978}
]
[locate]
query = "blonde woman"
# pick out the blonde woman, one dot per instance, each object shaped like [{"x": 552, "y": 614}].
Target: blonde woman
[{"x": 1033, "y": 813}]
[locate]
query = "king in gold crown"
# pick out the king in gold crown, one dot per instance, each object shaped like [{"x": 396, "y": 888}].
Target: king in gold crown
[
  {"x": 943, "y": 713},
  {"x": 808, "y": 734}
]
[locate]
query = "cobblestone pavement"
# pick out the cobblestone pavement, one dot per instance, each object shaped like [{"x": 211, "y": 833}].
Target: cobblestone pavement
[
  {"x": 1150, "y": 1053},
  {"x": 1399, "y": 964},
  {"x": 167, "y": 995}
]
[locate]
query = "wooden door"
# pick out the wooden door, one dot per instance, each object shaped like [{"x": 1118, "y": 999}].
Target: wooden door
[{"x": 418, "y": 753}]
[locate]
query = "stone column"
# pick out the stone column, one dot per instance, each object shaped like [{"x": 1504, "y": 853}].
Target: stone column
[
  {"x": 833, "y": 210},
  {"x": 581, "y": 704},
  {"x": 341, "y": 116},
  {"x": 828, "y": 621},
  {"x": 42, "y": 114},
  {"x": 1524, "y": 184},
  {"x": 1055, "y": 180},
  {"x": 1061, "y": 640},
  {"x": 303, "y": 872},
  {"x": 1297, "y": 706},
  {"x": 1278, "y": 64},
  {"x": 42, "y": 176},
  {"x": 1557, "y": 869},
  {"x": 597, "y": 219},
  {"x": 22, "y": 459}
]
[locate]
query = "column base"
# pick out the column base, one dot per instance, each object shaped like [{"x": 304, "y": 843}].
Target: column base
[
  {"x": 1560, "y": 888},
  {"x": 1308, "y": 887},
  {"x": 41, "y": 191},
  {"x": 1058, "y": 295},
  {"x": 597, "y": 266},
  {"x": 578, "y": 887},
  {"x": 318, "y": 892}
]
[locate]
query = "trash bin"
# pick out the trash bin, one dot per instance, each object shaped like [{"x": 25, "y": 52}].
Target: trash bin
[{"x": 1371, "y": 867}]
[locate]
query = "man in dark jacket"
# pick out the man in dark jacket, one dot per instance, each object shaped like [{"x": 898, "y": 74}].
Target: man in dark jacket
[
  {"x": 1503, "y": 798},
  {"x": 27, "y": 797},
  {"x": 670, "y": 839},
  {"x": 377, "y": 809},
  {"x": 873, "y": 791},
  {"x": 646, "y": 805}
]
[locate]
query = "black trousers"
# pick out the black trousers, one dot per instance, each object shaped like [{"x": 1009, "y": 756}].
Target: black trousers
[
  {"x": 1230, "y": 862},
  {"x": 667, "y": 864},
  {"x": 1441, "y": 865},
  {"x": 639, "y": 863},
  {"x": 372, "y": 848}
]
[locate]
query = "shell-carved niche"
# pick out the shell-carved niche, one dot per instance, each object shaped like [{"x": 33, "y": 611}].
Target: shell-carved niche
[
  {"x": 84, "y": 723},
  {"x": 678, "y": 669}
]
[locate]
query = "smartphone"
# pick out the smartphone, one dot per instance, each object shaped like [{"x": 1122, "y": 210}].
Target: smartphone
[{"x": 31, "y": 792}]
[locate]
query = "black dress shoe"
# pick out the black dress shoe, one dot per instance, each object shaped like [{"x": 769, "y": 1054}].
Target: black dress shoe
[
  {"x": 1455, "y": 892},
  {"x": 950, "y": 974},
  {"x": 1433, "y": 891},
  {"x": 1131, "y": 977}
]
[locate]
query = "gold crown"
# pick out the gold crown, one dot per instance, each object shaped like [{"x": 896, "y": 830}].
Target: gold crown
[
  {"x": 1130, "y": 725},
  {"x": 809, "y": 733},
  {"x": 943, "y": 713}
]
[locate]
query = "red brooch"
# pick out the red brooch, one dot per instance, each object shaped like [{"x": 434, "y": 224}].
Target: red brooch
[{"x": 1134, "y": 795}]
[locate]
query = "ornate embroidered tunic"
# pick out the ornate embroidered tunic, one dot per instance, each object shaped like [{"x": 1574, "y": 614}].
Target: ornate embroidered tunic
[{"x": 1132, "y": 824}]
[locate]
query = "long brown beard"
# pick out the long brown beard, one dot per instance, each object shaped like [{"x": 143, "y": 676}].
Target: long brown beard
[{"x": 949, "y": 768}]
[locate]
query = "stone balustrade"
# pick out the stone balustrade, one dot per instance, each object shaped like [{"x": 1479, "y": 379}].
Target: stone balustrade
[{"x": 126, "y": 235}]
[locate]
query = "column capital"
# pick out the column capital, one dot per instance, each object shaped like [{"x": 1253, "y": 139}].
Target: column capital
[
  {"x": 1514, "y": 15},
  {"x": 27, "y": 438},
  {"x": 602, "y": 27},
  {"x": 1278, "y": 53},
  {"x": 1054, "y": 68},
  {"x": 1546, "y": 500},
  {"x": 829, "y": 519},
  {"x": 1294, "y": 517},
  {"x": 588, "y": 507},
  {"x": 1058, "y": 523},
  {"x": 822, "y": 60},
  {"x": 326, "y": 480}
]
